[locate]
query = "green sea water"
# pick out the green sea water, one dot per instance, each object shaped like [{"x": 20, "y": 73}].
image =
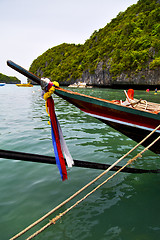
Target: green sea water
[{"x": 125, "y": 208}]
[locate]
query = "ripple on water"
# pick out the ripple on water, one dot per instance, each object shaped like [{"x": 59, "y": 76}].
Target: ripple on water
[{"x": 29, "y": 190}]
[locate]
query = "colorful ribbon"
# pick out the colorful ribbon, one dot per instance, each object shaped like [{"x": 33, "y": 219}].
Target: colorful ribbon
[{"x": 58, "y": 141}]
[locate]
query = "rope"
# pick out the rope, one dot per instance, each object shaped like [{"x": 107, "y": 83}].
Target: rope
[
  {"x": 55, "y": 219},
  {"x": 50, "y": 91},
  {"x": 82, "y": 189}
]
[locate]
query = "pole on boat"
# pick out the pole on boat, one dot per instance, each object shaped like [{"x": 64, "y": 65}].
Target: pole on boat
[
  {"x": 24, "y": 72},
  {"x": 6, "y": 154}
]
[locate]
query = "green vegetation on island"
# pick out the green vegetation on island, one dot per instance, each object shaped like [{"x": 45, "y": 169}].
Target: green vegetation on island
[
  {"x": 130, "y": 42},
  {"x": 8, "y": 79}
]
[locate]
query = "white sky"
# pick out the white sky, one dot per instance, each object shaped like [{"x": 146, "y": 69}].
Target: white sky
[{"x": 30, "y": 27}]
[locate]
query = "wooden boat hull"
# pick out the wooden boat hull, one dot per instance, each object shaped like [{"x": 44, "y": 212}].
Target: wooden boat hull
[{"x": 133, "y": 123}]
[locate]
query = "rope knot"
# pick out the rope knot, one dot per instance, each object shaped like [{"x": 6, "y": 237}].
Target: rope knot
[
  {"x": 50, "y": 91},
  {"x": 139, "y": 155},
  {"x": 55, "y": 219}
]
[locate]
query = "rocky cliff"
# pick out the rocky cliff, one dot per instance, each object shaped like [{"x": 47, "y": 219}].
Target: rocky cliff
[{"x": 143, "y": 79}]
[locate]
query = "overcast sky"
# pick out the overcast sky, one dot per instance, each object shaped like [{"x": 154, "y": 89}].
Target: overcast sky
[{"x": 29, "y": 27}]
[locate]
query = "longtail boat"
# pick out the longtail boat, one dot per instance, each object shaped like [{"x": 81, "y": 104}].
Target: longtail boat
[{"x": 133, "y": 118}]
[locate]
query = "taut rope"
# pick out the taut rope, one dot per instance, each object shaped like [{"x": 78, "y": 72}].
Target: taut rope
[{"x": 83, "y": 188}]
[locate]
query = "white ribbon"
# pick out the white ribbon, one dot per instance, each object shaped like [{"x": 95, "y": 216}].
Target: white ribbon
[{"x": 64, "y": 147}]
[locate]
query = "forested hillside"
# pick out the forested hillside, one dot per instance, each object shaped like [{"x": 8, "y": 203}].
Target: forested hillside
[
  {"x": 8, "y": 79},
  {"x": 128, "y": 45}
]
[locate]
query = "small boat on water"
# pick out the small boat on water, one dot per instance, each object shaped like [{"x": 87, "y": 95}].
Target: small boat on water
[
  {"x": 24, "y": 85},
  {"x": 2, "y": 84},
  {"x": 132, "y": 117},
  {"x": 79, "y": 85}
]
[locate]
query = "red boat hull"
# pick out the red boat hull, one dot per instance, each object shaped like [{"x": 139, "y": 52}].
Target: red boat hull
[{"x": 133, "y": 123}]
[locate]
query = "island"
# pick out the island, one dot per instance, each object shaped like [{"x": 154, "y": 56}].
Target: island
[
  {"x": 8, "y": 79},
  {"x": 125, "y": 52}
]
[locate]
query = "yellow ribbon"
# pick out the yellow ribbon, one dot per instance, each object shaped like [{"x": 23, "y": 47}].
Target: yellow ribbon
[
  {"x": 51, "y": 91},
  {"x": 48, "y": 94},
  {"x": 47, "y": 113},
  {"x": 56, "y": 84}
]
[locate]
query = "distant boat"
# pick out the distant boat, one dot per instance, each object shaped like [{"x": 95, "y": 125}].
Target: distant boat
[
  {"x": 24, "y": 85},
  {"x": 82, "y": 85},
  {"x": 74, "y": 85},
  {"x": 79, "y": 85},
  {"x": 2, "y": 84}
]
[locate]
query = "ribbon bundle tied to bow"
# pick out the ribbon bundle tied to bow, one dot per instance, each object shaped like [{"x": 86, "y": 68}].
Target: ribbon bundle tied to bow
[{"x": 58, "y": 141}]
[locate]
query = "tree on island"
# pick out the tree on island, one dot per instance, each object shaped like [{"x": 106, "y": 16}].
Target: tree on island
[{"x": 8, "y": 79}]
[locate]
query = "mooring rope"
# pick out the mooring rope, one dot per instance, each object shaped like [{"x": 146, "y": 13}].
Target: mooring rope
[
  {"x": 55, "y": 219},
  {"x": 83, "y": 188}
]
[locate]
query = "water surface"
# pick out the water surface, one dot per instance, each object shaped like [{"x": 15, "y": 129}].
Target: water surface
[{"x": 127, "y": 207}]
